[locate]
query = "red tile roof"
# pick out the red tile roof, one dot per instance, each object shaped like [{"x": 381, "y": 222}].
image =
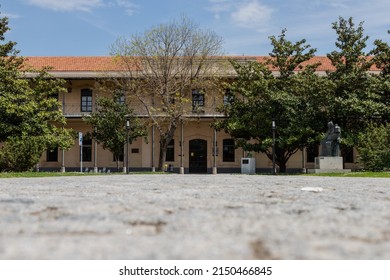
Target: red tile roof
[
  {"x": 108, "y": 63},
  {"x": 74, "y": 63}
]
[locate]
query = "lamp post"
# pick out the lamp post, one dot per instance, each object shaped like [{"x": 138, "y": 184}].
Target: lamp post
[
  {"x": 127, "y": 143},
  {"x": 273, "y": 147}
]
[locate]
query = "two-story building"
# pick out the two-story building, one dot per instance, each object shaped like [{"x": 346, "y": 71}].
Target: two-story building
[{"x": 195, "y": 148}]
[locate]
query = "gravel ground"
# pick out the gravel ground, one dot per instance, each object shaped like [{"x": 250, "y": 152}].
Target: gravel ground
[{"x": 194, "y": 217}]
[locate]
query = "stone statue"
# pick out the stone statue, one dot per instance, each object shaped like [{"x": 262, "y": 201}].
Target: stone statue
[{"x": 330, "y": 145}]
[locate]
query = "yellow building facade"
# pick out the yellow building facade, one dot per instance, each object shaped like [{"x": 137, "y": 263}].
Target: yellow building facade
[{"x": 196, "y": 147}]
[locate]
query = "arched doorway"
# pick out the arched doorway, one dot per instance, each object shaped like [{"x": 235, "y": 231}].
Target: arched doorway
[{"x": 198, "y": 156}]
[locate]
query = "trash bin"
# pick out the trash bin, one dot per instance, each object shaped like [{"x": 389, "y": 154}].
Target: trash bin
[{"x": 248, "y": 166}]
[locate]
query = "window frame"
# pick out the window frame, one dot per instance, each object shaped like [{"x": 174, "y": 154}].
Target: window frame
[
  {"x": 52, "y": 156},
  {"x": 228, "y": 97},
  {"x": 228, "y": 150},
  {"x": 312, "y": 151},
  {"x": 87, "y": 150},
  {"x": 121, "y": 157},
  {"x": 170, "y": 154},
  {"x": 198, "y": 100},
  {"x": 86, "y": 100}
]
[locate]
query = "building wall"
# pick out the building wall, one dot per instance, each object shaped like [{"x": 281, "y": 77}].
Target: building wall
[{"x": 141, "y": 151}]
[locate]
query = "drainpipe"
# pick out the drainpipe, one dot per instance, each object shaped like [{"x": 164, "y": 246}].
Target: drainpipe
[
  {"x": 63, "y": 127},
  {"x": 95, "y": 167},
  {"x": 181, "y": 147},
  {"x": 153, "y": 148},
  {"x": 215, "y": 153}
]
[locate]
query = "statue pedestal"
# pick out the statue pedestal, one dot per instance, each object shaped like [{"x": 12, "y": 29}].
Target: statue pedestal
[{"x": 324, "y": 164}]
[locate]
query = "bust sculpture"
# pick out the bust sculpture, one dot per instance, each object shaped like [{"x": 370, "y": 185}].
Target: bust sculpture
[{"x": 330, "y": 145}]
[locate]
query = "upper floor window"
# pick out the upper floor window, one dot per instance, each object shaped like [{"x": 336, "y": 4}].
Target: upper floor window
[
  {"x": 121, "y": 100},
  {"x": 228, "y": 98},
  {"x": 198, "y": 100},
  {"x": 120, "y": 97},
  {"x": 86, "y": 100}
]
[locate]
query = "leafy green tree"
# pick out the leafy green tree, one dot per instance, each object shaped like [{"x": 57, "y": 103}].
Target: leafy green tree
[
  {"x": 109, "y": 124},
  {"x": 374, "y": 142},
  {"x": 382, "y": 56},
  {"x": 292, "y": 99},
  {"x": 381, "y": 83},
  {"x": 374, "y": 147},
  {"x": 353, "y": 103},
  {"x": 30, "y": 114}
]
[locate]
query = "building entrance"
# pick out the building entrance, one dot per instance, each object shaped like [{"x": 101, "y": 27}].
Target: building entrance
[{"x": 198, "y": 156}]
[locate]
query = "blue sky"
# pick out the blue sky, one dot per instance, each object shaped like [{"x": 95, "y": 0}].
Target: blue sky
[{"x": 89, "y": 27}]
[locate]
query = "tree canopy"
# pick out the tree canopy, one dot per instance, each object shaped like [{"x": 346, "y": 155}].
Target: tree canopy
[
  {"x": 169, "y": 61},
  {"x": 300, "y": 101},
  {"x": 109, "y": 123},
  {"x": 31, "y": 120},
  {"x": 354, "y": 102},
  {"x": 292, "y": 100}
]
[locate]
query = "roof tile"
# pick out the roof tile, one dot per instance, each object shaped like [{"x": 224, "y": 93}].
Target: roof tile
[{"x": 108, "y": 63}]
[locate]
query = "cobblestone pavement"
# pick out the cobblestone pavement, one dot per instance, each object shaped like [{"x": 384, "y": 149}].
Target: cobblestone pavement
[{"x": 194, "y": 217}]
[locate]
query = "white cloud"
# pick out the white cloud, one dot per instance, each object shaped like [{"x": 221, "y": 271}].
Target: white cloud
[
  {"x": 252, "y": 15},
  {"x": 220, "y": 6},
  {"x": 338, "y": 5},
  {"x": 129, "y": 6},
  {"x": 67, "y": 5},
  {"x": 84, "y": 5}
]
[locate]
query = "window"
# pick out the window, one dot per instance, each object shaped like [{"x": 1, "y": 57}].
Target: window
[
  {"x": 347, "y": 153},
  {"x": 120, "y": 97},
  {"x": 121, "y": 100},
  {"x": 86, "y": 100},
  {"x": 121, "y": 156},
  {"x": 311, "y": 153},
  {"x": 170, "y": 156},
  {"x": 197, "y": 100},
  {"x": 228, "y": 150},
  {"x": 228, "y": 98},
  {"x": 52, "y": 155},
  {"x": 87, "y": 149}
]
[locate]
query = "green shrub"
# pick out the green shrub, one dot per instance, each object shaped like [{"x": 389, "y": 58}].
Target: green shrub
[
  {"x": 21, "y": 153},
  {"x": 374, "y": 148}
]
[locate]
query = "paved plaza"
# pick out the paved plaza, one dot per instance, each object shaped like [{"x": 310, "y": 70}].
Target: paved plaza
[{"x": 171, "y": 216}]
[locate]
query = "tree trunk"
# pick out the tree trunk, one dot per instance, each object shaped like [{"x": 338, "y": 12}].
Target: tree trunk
[
  {"x": 164, "y": 141},
  {"x": 282, "y": 167},
  {"x": 162, "y": 155},
  {"x": 280, "y": 160}
]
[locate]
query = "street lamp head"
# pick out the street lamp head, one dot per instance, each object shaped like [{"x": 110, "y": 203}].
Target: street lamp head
[
  {"x": 273, "y": 124},
  {"x": 127, "y": 122}
]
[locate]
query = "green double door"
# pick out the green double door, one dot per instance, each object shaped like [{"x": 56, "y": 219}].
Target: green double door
[{"x": 198, "y": 156}]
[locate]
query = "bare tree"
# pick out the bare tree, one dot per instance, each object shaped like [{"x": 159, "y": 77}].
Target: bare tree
[{"x": 162, "y": 66}]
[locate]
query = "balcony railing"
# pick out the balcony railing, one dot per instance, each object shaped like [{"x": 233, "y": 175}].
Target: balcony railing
[{"x": 74, "y": 110}]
